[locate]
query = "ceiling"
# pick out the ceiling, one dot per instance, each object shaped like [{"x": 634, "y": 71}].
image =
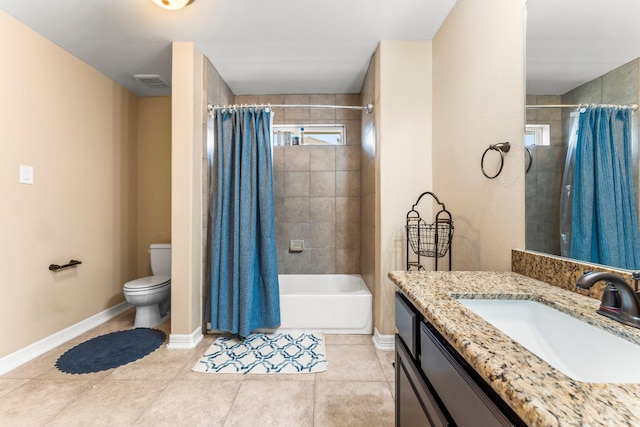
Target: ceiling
[
  {"x": 294, "y": 46},
  {"x": 258, "y": 46},
  {"x": 570, "y": 42}
]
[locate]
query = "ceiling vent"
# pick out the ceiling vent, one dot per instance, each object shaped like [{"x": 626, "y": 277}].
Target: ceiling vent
[{"x": 152, "y": 80}]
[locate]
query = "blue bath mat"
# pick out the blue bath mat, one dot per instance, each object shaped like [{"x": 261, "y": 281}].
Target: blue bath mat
[
  {"x": 110, "y": 350},
  {"x": 280, "y": 353}
]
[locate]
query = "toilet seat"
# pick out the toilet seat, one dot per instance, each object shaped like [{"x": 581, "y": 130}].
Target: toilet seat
[{"x": 149, "y": 283}]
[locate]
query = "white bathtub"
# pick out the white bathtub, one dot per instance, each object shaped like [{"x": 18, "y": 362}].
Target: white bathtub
[{"x": 327, "y": 303}]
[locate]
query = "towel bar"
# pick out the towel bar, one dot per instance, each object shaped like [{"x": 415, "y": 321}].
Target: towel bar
[{"x": 72, "y": 263}]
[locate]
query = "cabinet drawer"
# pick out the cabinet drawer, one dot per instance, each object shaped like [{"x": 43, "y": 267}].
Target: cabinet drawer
[
  {"x": 415, "y": 405},
  {"x": 407, "y": 324},
  {"x": 465, "y": 401}
]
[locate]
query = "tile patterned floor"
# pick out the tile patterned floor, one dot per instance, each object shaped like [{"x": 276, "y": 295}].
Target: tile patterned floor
[{"x": 161, "y": 390}]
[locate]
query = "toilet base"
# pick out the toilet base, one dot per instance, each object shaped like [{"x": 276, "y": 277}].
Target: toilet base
[
  {"x": 152, "y": 307},
  {"x": 147, "y": 316}
]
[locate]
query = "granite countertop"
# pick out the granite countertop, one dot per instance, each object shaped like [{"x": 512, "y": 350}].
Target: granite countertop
[{"x": 540, "y": 394}]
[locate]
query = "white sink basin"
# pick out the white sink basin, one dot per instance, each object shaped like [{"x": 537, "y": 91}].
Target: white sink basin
[{"x": 577, "y": 349}]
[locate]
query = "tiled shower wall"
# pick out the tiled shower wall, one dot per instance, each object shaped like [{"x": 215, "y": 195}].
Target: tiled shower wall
[
  {"x": 543, "y": 182},
  {"x": 317, "y": 188}
]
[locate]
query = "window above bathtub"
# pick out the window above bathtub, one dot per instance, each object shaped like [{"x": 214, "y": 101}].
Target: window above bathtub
[
  {"x": 316, "y": 134},
  {"x": 537, "y": 135}
]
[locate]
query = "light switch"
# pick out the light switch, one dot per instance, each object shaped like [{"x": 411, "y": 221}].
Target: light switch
[{"x": 26, "y": 174}]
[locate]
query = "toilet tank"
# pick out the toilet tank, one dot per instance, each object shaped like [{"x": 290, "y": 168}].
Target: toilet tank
[{"x": 160, "y": 254}]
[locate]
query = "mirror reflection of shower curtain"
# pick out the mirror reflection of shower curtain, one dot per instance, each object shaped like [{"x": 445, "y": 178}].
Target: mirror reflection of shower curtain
[
  {"x": 566, "y": 198},
  {"x": 243, "y": 289},
  {"x": 604, "y": 223}
]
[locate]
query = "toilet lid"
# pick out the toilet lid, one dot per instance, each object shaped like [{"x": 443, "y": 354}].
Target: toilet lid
[{"x": 148, "y": 282}]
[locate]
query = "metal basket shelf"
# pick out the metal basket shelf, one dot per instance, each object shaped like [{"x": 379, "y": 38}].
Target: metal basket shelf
[{"x": 432, "y": 239}]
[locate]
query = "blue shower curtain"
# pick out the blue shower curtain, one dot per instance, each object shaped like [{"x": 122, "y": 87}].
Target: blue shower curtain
[
  {"x": 604, "y": 221},
  {"x": 243, "y": 278}
]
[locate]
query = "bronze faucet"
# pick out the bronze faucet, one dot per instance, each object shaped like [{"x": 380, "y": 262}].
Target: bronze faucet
[{"x": 619, "y": 300}]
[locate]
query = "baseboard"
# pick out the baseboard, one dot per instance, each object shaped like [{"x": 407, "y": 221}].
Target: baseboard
[
  {"x": 184, "y": 342},
  {"x": 383, "y": 342},
  {"x": 38, "y": 348}
]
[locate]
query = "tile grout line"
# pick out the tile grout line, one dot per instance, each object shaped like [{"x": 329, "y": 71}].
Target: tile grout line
[
  {"x": 151, "y": 402},
  {"x": 315, "y": 397},
  {"x": 226, "y": 417},
  {"x": 72, "y": 401}
]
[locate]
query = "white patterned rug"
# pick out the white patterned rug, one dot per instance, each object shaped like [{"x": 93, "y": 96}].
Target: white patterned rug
[{"x": 281, "y": 353}]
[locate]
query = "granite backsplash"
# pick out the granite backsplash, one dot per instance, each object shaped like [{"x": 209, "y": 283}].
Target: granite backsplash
[{"x": 561, "y": 272}]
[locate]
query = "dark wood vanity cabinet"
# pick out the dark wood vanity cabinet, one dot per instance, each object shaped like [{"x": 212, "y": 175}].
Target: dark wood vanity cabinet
[
  {"x": 416, "y": 406},
  {"x": 434, "y": 385}
]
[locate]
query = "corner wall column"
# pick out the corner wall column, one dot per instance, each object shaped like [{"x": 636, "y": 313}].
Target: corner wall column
[{"x": 187, "y": 114}]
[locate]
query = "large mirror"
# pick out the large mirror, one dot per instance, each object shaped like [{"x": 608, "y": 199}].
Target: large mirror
[{"x": 578, "y": 52}]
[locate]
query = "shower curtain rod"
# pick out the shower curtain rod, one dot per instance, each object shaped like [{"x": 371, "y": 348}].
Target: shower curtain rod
[
  {"x": 632, "y": 106},
  {"x": 367, "y": 108}
]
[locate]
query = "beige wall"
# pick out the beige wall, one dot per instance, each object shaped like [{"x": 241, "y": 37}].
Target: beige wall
[
  {"x": 77, "y": 128},
  {"x": 188, "y": 106},
  {"x": 478, "y": 98},
  {"x": 153, "y": 177},
  {"x": 403, "y": 129}
]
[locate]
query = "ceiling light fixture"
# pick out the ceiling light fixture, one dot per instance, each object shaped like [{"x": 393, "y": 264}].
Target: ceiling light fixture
[{"x": 172, "y": 4}]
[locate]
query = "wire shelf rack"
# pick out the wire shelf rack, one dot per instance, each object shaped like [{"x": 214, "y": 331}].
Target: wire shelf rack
[{"x": 428, "y": 239}]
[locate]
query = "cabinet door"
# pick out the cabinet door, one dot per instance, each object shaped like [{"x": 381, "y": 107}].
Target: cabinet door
[
  {"x": 415, "y": 405},
  {"x": 407, "y": 324},
  {"x": 465, "y": 401}
]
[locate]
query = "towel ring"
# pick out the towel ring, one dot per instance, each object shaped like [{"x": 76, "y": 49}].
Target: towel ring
[
  {"x": 502, "y": 147},
  {"x": 530, "y": 156}
]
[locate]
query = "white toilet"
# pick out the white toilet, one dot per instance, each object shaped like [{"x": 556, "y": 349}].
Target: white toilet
[{"x": 152, "y": 294}]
